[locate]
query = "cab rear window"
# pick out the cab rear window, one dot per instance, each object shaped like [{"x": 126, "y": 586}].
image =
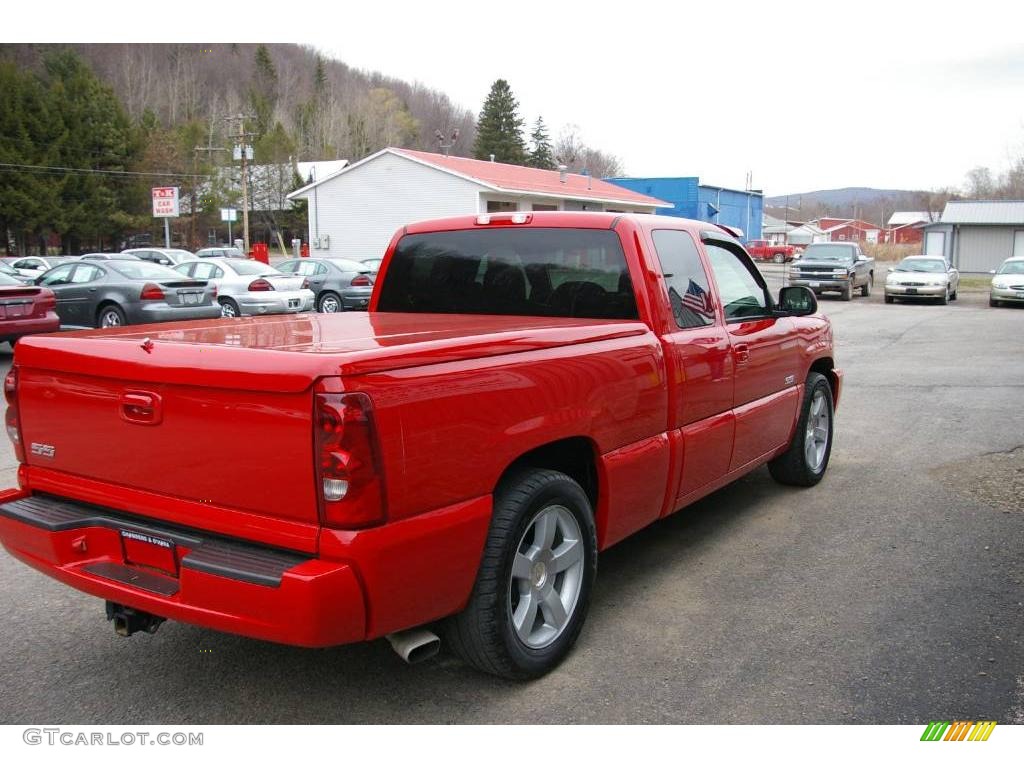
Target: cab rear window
[{"x": 546, "y": 272}]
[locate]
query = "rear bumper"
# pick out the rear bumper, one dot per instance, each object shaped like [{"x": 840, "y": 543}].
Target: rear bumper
[
  {"x": 158, "y": 312},
  {"x": 15, "y": 329},
  {"x": 356, "y": 298},
  {"x": 362, "y": 585},
  {"x": 274, "y": 302},
  {"x": 226, "y": 585}
]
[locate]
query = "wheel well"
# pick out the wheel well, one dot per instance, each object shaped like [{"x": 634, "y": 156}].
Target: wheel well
[
  {"x": 825, "y": 366},
  {"x": 574, "y": 456},
  {"x": 104, "y": 304}
]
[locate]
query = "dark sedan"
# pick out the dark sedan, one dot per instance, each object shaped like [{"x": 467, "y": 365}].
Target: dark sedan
[
  {"x": 106, "y": 294},
  {"x": 339, "y": 284},
  {"x": 25, "y": 309}
]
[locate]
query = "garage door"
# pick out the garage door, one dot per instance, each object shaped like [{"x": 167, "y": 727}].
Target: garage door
[{"x": 984, "y": 248}]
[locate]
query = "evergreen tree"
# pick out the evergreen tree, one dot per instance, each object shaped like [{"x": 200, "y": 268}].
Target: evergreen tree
[
  {"x": 499, "y": 131},
  {"x": 263, "y": 94},
  {"x": 541, "y": 156}
]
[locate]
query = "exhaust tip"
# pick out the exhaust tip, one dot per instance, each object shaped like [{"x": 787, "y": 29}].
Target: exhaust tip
[{"x": 415, "y": 645}]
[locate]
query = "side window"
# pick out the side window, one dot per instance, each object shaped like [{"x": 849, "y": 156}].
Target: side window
[
  {"x": 203, "y": 271},
  {"x": 742, "y": 294},
  {"x": 685, "y": 278},
  {"x": 321, "y": 269},
  {"x": 59, "y": 276},
  {"x": 85, "y": 273},
  {"x": 185, "y": 269},
  {"x": 217, "y": 272},
  {"x": 29, "y": 264}
]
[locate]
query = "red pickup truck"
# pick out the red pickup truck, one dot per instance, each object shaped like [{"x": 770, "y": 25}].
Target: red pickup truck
[
  {"x": 762, "y": 250},
  {"x": 525, "y": 391}
]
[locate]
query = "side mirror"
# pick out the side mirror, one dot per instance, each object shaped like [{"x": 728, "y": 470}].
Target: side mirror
[
  {"x": 796, "y": 301},
  {"x": 889, "y": 269},
  {"x": 861, "y": 257}
]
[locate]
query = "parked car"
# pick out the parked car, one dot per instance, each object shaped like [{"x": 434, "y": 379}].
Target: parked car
[
  {"x": 841, "y": 267},
  {"x": 108, "y": 257},
  {"x": 223, "y": 252},
  {"x": 339, "y": 284},
  {"x": 25, "y": 309},
  {"x": 762, "y": 250},
  {"x": 247, "y": 287},
  {"x": 114, "y": 293},
  {"x": 34, "y": 266},
  {"x": 7, "y": 269},
  {"x": 168, "y": 257},
  {"x": 922, "y": 277},
  {"x": 525, "y": 392},
  {"x": 1008, "y": 283}
]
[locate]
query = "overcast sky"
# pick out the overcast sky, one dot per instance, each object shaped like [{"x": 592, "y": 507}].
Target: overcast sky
[{"x": 806, "y": 95}]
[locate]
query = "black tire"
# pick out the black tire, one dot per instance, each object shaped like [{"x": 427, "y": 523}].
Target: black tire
[
  {"x": 792, "y": 467},
  {"x": 328, "y": 299},
  {"x": 889, "y": 299},
  {"x": 993, "y": 302},
  {"x": 944, "y": 299},
  {"x": 952, "y": 296},
  {"x": 107, "y": 314},
  {"x": 847, "y": 292},
  {"x": 778, "y": 258},
  {"x": 483, "y": 634},
  {"x": 865, "y": 290},
  {"x": 229, "y": 308}
]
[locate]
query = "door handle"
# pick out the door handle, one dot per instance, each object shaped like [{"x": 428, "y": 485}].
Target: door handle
[{"x": 742, "y": 354}]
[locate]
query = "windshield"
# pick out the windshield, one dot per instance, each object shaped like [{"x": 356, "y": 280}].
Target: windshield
[
  {"x": 6, "y": 279},
  {"x": 546, "y": 272},
  {"x": 143, "y": 270},
  {"x": 921, "y": 265},
  {"x": 1012, "y": 268},
  {"x": 825, "y": 252}
]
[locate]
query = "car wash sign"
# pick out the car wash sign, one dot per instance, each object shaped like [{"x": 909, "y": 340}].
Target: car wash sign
[{"x": 165, "y": 202}]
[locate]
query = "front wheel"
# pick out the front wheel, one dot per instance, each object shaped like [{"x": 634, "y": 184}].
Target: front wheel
[
  {"x": 944, "y": 298},
  {"x": 778, "y": 258},
  {"x": 532, "y": 591},
  {"x": 110, "y": 316},
  {"x": 329, "y": 303},
  {"x": 847, "y": 292},
  {"x": 806, "y": 459}
]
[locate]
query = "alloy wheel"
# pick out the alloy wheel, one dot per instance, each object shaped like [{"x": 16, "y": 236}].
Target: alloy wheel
[{"x": 816, "y": 442}]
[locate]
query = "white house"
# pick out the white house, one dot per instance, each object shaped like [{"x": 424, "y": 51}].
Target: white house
[{"x": 354, "y": 212}]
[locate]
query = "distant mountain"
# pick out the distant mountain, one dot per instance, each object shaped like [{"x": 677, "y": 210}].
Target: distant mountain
[
  {"x": 868, "y": 203},
  {"x": 847, "y": 196}
]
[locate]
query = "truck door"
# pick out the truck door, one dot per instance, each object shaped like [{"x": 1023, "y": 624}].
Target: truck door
[
  {"x": 699, "y": 365},
  {"x": 765, "y": 350}
]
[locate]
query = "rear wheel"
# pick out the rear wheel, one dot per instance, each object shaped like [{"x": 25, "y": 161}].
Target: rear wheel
[
  {"x": 532, "y": 591},
  {"x": 110, "y": 316},
  {"x": 329, "y": 303},
  {"x": 806, "y": 459},
  {"x": 865, "y": 290}
]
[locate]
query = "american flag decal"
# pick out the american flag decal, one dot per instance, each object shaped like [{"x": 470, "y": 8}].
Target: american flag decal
[{"x": 696, "y": 299}]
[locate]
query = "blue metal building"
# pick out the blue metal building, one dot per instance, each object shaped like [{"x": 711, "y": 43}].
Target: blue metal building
[{"x": 692, "y": 200}]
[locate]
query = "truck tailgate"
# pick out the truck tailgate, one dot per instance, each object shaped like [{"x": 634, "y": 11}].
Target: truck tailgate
[{"x": 243, "y": 449}]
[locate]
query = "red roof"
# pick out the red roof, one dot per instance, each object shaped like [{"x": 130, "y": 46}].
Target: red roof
[{"x": 518, "y": 178}]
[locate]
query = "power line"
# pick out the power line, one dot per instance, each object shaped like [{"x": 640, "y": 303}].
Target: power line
[{"x": 53, "y": 169}]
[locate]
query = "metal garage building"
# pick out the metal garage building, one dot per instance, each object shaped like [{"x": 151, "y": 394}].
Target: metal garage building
[
  {"x": 977, "y": 235},
  {"x": 692, "y": 200}
]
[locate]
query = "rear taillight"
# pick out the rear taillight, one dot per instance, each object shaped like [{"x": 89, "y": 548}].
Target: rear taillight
[
  {"x": 11, "y": 419},
  {"x": 349, "y": 476},
  {"x": 151, "y": 292},
  {"x": 46, "y": 302},
  {"x": 260, "y": 285},
  {"x": 213, "y": 294},
  {"x": 361, "y": 280}
]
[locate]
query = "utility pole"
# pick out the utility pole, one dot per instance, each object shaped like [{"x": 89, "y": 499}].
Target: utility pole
[{"x": 241, "y": 138}]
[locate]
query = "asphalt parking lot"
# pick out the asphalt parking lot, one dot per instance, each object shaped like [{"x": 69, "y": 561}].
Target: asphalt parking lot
[{"x": 890, "y": 593}]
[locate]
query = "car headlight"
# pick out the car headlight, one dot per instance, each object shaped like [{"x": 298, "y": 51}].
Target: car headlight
[{"x": 1000, "y": 284}]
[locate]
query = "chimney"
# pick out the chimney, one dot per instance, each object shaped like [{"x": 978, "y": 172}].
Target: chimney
[{"x": 561, "y": 172}]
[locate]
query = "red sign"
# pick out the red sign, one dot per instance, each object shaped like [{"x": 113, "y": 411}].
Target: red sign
[{"x": 165, "y": 201}]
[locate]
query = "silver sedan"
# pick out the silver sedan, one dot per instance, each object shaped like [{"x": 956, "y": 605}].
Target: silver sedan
[
  {"x": 339, "y": 284},
  {"x": 1008, "y": 283},
  {"x": 922, "y": 277},
  {"x": 246, "y": 287}
]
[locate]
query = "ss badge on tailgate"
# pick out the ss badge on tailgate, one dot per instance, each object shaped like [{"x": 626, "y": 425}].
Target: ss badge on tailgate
[{"x": 42, "y": 449}]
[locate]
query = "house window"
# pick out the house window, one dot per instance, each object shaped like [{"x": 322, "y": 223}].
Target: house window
[
  {"x": 544, "y": 207},
  {"x": 500, "y": 206}
]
